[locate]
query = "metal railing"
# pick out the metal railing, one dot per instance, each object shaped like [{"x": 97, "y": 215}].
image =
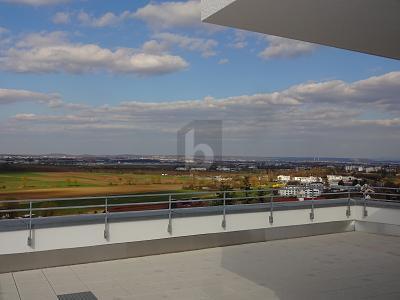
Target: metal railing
[{"x": 269, "y": 198}]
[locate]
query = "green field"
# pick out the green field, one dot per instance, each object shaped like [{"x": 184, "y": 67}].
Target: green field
[{"x": 77, "y": 184}]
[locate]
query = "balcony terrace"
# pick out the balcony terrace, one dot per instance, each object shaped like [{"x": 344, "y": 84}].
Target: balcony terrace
[{"x": 342, "y": 245}]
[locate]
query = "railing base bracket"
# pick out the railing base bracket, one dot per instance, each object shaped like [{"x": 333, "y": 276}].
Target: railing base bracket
[{"x": 223, "y": 224}]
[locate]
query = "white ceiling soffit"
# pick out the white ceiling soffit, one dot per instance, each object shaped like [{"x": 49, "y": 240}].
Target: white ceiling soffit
[
  {"x": 209, "y": 7},
  {"x": 369, "y": 26}
]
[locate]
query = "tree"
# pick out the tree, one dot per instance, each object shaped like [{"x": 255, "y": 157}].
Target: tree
[
  {"x": 11, "y": 206},
  {"x": 225, "y": 187},
  {"x": 390, "y": 183},
  {"x": 254, "y": 182},
  {"x": 246, "y": 183},
  {"x": 261, "y": 196},
  {"x": 49, "y": 205},
  {"x": 247, "y": 187}
]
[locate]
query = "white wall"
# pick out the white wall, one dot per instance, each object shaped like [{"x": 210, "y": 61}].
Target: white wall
[
  {"x": 121, "y": 232},
  {"x": 390, "y": 216}
]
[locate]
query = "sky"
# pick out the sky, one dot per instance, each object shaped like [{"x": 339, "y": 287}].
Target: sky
[{"x": 122, "y": 77}]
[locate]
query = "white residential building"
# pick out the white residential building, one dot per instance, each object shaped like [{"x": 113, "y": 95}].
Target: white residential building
[
  {"x": 198, "y": 169},
  {"x": 224, "y": 169},
  {"x": 289, "y": 191},
  {"x": 301, "y": 192},
  {"x": 284, "y": 178},
  {"x": 334, "y": 178},
  {"x": 308, "y": 179},
  {"x": 372, "y": 169},
  {"x": 310, "y": 193}
]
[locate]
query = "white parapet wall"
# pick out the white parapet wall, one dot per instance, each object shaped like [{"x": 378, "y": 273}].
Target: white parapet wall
[
  {"x": 64, "y": 237},
  {"x": 378, "y": 220},
  {"x": 137, "y": 237}
]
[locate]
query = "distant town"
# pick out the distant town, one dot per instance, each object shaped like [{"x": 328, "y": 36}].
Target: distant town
[{"x": 227, "y": 163}]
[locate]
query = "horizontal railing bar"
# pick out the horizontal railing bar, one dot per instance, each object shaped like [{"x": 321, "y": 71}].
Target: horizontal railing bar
[
  {"x": 110, "y": 197},
  {"x": 177, "y": 201},
  {"x": 385, "y": 188},
  {"x": 162, "y": 202},
  {"x": 167, "y": 194},
  {"x": 52, "y": 208},
  {"x": 383, "y": 200},
  {"x": 386, "y": 194},
  {"x": 340, "y": 193},
  {"x": 115, "y": 196},
  {"x": 124, "y": 204}
]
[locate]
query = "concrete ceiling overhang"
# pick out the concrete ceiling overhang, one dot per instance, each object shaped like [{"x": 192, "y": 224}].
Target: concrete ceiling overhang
[{"x": 369, "y": 26}]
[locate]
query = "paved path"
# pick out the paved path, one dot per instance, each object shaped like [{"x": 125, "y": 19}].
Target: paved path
[{"x": 350, "y": 265}]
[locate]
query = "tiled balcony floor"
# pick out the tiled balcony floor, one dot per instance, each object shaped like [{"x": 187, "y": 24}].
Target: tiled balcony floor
[{"x": 350, "y": 265}]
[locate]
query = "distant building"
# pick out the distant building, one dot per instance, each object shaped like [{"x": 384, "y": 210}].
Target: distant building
[
  {"x": 289, "y": 191},
  {"x": 363, "y": 169},
  {"x": 351, "y": 168},
  {"x": 181, "y": 169},
  {"x": 317, "y": 185},
  {"x": 307, "y": 180},
  {"x": 284, "y": 178},
  {"x": 372, "y": 169},
  {"x": 301, "y": 192},
  {"x": 198, "y": 169},
  {"x": 334, "y": 178},
  {"x": 309, "y": 193},
  {"x": 224, "y": 169}
]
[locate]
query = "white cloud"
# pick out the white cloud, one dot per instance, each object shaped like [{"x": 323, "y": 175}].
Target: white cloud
[
  {"x": 61, "y": 18},
  {"x": 35, "y": 2},
  {"x": 3, "y": 30},
  {"x": 239, "y": 41},
  {"x": 158, "y": 16},
  {"x": 43, "y": 39},
  {"x": 8, "y": 96},
  {"x": 108, "y": 19},
  {"x": 380, "y": 91},
  {"x": 5, "y": 38},
  {"x": 53, "y": 53},
  {"x": 380, "y": 122},
  {"x": 285, "y": 48},
  {"x": 166, "y": 40},
  {"x": 342, "y": 105},
  {"x": 170, "y": 14},
  {"x": 223, "y": 61},
  {"x": 306, "y": 117}
]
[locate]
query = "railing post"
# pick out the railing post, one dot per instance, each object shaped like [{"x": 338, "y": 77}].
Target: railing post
[
  {"x": 365, "y": 212},
  {"x": 271, "y": 210},
  {"x": 30, "y": 225},
  {"x": 224, "y": 213},
  {"x": 106, "y": 226},
  {"x": 348, "y": 210},
  {"x": 312, "y": 215},
  {"x": 169, "y": 229}
]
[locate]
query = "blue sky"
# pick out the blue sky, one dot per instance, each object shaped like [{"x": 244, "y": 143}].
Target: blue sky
[{"x": 77, "y": 74}]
